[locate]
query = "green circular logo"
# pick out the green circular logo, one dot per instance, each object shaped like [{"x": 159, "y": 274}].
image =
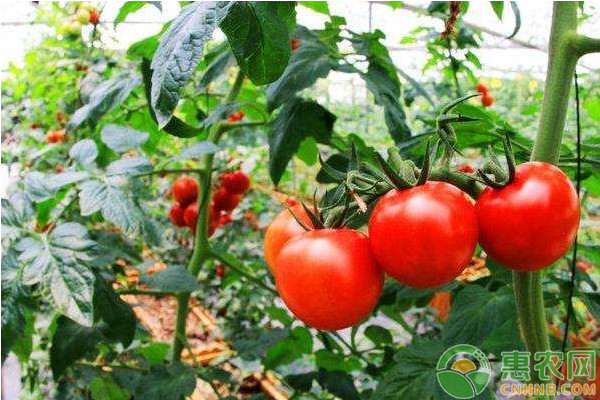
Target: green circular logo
[{"x": 463, "y": 371}]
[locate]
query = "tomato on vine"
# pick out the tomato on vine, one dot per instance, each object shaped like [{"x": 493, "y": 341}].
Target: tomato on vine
[
  {"x": 190, "y": 215},
  {"x": 532, "y": 221},
  {"x": 235, "y": 182},
  {"x": 487, "y": 100},
  {"x": 283, "y": 228},
  {"x": 176, "y": 214},
  {"x": 223, "y": 200},
  {"x": 185, "y": 190},
  {"x": 424, "y": 236},
  {"x": 329, "y": 278},
  {"x": 481, "y": 88}
]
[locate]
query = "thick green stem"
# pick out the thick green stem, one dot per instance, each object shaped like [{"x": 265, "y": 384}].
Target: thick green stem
[
  {"x": 201, "y": 250},
  {"x": 562, "y": 59}
]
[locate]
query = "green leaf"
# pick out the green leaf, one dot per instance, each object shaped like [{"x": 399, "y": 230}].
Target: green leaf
[
  {"x": 130, "y": 165},
  {"x": 515, "y": 8},
  {"x": 121, "y": 138},
  {"x": 175, "y": 126},
  {"x": 378, "y": 335},
  {"x": 413, "y": 376},
  {"x": 252, "y": 344},
  {"x": 178, "y": 54},
  {"x": 13, "y": 314},
  {"x": 104, "y": 98},
  {"x": 382, "y": 80},
  {"x": 317, "y": 6},
  {"x": 36, "y": 187},
  {"x": 498, "y": 7},
  {"x": 477, "y": 313},
  {"x": 84, "y": 151},
  {"x": 298, "y": 342},
  {"x": 335, "y": 361},
  {"x": 24, "y": 344},
  {"x": 592, "y": 302},
  {"x": 215, "y": 69},
  {"x": 166, "y": 382},
  {"x": 132, "y": 6},
  {"x": 259, "y": 35},
  {"x": 155, "y": 353},
  {"x": 113, "y": 201},
  {"x": 114, "y": 312},
  {"x": 308, "y": 151},
  {"x": 197, "y": 150},
  {"x": 301, "y": 382},
  {"x": 297, "y": 120},
  {"x": 311, "y": 61},
  {"x": 71, "y": 342},
  {"x": 16, "y": 213},
  {"x": 59, "y": 261},
  {"x": 104, "y": 388},
  {"x": 338, "y": 383},
  {"x": 174, "y": 279}
]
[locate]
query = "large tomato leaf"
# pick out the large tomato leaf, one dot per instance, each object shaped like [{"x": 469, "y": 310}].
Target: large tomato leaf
[
  {"x": 105, "y": 388},
  {"x": 382, "y": 80},
  {"x": 311, "y": 61},
  {"x": 478, "y": 315},
  {"x": 16, "y": 214},
  {"x": 116, "y": 314},
  {"x": 71, "y": 342},
  {"x": 104, "y": 98},
  {"x": 259, "y": 35},
  {"x": 178, "y": 54},
  {"x": 59, "y": 260},
  {"x": 84, "y": 151},
  {"x": 166, "y": 382},
  {"x": 298, "y": 119},
  {"x": 174, "y": 279},
  {"x": 13, "y": 308},
  {"x": 297, "y": 343}
]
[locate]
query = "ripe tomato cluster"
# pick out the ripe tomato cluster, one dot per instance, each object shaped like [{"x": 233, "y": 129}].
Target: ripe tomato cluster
[
  {"x": 423, "y": 237},
  {"x": 486, "y": 98},
  {"x": 226, "y": 197}
]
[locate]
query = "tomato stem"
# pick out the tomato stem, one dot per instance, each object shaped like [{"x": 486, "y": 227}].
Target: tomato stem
[{"x": 565, "y": 48}]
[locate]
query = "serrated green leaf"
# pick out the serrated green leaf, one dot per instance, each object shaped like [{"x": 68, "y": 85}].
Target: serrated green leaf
[
  {"x": 378, "y": 335},
  {"x": 259, "y": 35},
  {"x": 104, "y": 98},
  {"x": 178, "y": 54},
  {"x": 130, "y": 166},
  {"x": 13, "y": 315},
  {"x": 338, "y": 383},
  {"x": 105, "y": 388},
  {"x": 198, "y": 150},
  {"x": 297, "y": 343},
  {"x": 71, "y": 342},
  {"x": 166, "y": 382},
  {"x": 114, "y": 312},
  {"x": 121, "y": 138}
]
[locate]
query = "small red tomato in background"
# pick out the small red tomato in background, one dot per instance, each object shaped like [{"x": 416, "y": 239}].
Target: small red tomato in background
[
  {"x": 56, "y": 136},
  {"x": 481, "y": 88},
  {"x": 220, "y": 271},
  {"x": 424, "y": 236},
  {"x": 176, "y": 214},
  {"x": 59, "y": 169},
  {"x": 236, "y": 116},
  {"x": 466, "y": 168},
  {"x": 294, "y": 43},
  {"x": 190, "y": 215},
  {"x": 235, "y": 182},
  {"x": 185, "y": 190},
  {"x": 225, "y": 201},
  {"x": 94, "y": 17},
  {"x": 328, "y": 278},
  {"x": 35, "y": 125},
  {"x": 487, "y": 100},
  {"x": 440, "y": 302},
  {"x": 532, "y": 222},
  {"x": 283, "y": 228}
]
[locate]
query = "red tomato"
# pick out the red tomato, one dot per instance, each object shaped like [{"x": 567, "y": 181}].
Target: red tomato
[
  {"x": 94, "y": 17},
  {"x": 56, "y": 136},
  {"x": 328, "y": 278},
  {"x": 481, "y": 88},
  {"x": 294, "y": 43},
  {"x": 176, "y": 214},
  {"x": 225, "y": 201},
  {"x": 220, "y": 271},
  {"x": 236, "y": 116},
  {"x": 185, "y": 190},
  {"x": 532, "y": 222},
  {"x": 59, "y": 169},
  {"x": 424, "y": 236},
  {"x": 190, "y": 215},
  {"x": 283, "y": 228},
  {"x": 235, "y": 182},
  {"x": 487, "y": 100},
  {"x": 466, "y": 168}
]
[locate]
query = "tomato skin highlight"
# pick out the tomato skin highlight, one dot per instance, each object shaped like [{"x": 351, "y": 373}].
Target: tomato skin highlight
[
  {"x": 328, "y": 278},
  {"x": 424, "y": 236},
  {"x": 283, "y": 228},
  {"x": 185, "y": 190},
  {"x": 176, "y": 214},
  {"x": 533, "y": 221}
]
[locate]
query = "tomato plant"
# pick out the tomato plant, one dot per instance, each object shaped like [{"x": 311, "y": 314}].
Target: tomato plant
[{"x": 260, "y": 199}]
